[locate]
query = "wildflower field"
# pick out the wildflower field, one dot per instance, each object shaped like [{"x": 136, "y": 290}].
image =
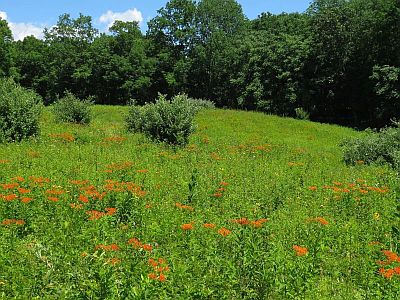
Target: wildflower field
[{"x": 255, "y": 207}]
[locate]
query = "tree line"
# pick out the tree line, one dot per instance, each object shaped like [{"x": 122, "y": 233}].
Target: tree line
[{"x": 339, "y": 61}]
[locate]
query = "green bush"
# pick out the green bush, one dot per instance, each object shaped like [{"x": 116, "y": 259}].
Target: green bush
[
  {"x": 19, "y": 111},
  {"x": 73, "y": 110},
  {"x": 381, "y": 147},
  {"x": 202, "y": 103},
  {"x": 164, "y": 121},
  {"x": 302, "y": 114}
]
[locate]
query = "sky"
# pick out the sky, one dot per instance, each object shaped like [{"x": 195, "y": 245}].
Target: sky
[{"x": 30, "y": 17}]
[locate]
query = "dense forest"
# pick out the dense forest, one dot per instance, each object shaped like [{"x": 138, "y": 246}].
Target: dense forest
[{"x": 339, "y": 61}]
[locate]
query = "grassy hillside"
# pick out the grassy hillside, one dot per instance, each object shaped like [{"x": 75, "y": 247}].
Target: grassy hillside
[{"x": 256, "y": 207}]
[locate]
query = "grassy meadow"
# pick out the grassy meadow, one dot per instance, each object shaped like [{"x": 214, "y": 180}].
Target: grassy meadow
[{"x": 255, "y": 207}]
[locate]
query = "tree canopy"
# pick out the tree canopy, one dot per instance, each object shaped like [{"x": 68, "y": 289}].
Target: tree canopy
[{"x": 339, "y": 60}]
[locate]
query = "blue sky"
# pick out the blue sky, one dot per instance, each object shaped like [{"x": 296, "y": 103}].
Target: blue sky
[{"x": 31, "y": 16}]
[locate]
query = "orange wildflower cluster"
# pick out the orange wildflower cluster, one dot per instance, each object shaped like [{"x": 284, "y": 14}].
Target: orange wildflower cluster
[
  {"x": 116, "y": 186},
  {"x": 83, "y": 198},
  {"x": 111, "y": 247},
  {"x": 76, "y": 206},
  {"x": 118, "y": 166},
  {"x": 222, "y": 188},
  {"x": 9, "y": 186},
  {"x": 116, "y": 139},
  {"x": 65, "y": 137},
  {"x": 52, "y": 199},
  {"x": 39, "y": 180},
  {"x": 137, "y": 244},
  {"x": 23, "y": 191},
  {"x": 300, "y": 251},
  {"x": 9, "y": 197},
  {"x": 359, "y": 186},
  {"x": 389, "y": 273},
  {"x": 79, "y": 182},
  {"x": 4, "y": 161},
  {"x": 224, "y": 232},
  {"x": 113, "y": 261},
  {"x": 187, "y": 227},
  {"x": 55, "y": 192},
  {"x": 320, "y": 220},
  {"x": 96, "y": 215},
  {"x": 182, "y": 206},
  {"x": 209, "y": 225},
  {"x": 91, "y": 191},
  {"x": 18, "y": 178},
  {"x": 160, "y": 267},
  {"x": 13, "y": 221},
  {"x": 26, "y": 199},
  {"x": 244, "y": 221},
  {"x": 215, "y": 156}
]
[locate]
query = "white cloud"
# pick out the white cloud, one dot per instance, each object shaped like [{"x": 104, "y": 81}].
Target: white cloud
[
  {"x": 22, "y": 30},
  {"x": 3, "y": 15},
  {"x": 127, "y": 16}
]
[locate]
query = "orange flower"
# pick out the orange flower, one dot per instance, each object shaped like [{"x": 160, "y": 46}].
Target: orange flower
[
  {"x": 23, "y": 191},
  {"x": 19, "y": 178},
  {"x": 391, "y": 256},
  {"x": 111, "y": 247},
  {"x": 53, "y": 199},
  {"x": 209, "y": 225},
  {"x": 113, "y": 261},
  {"x": 148, "y": 206},
  {"x": 162, "y": 277},
  {"x": 312, "y": 188},
  {"x": 241, "y": 221},
  {"x": 224, "y": 232},
  {"x": 147, "y": 247},
  {"x": 320, "y": 220},
  {"x": 223, "y": 183},
  {"x": 10, "y": 186},
  {"x": 217, "y": 195},
  {"x": 10, "y": 197},
  {"x": 76, "y": 206},
  {"x": 26, "y": 200},
  {"x": 182, "y": 206},
  {"x": 300, "y": 251},
  {"x": 83, "y": 198},
  {"x": 110, "y": 211},
  {"x": 152, "y": 276},
  {"x": 258, "y": 223},
  {"x": 13, "y": 221},
  {"x": 55, "y": 192},
  {"x": 136, "y": 243},
  {"x": 153, "y": 263},
  {"x": 397, "y": 270},
  {"x": 387, "y": 273},
  {"x": 142, "y": 171},
  {"x": 186, "y": 227}
]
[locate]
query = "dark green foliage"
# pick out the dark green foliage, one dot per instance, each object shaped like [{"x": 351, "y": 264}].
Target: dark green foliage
[
  {"x": 339, "y": 60},
  {"x": 381, "y": 147},
  {"x": 19, "y": 112},
  {"x": 73, "y": 110},
  {"x": 164, "y": 121}
]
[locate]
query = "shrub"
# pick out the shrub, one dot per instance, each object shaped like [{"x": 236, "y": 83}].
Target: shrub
[
  {"x": 73, "y": 110},
  {"x": 19, "y": 112},
  {"x": 164, "y": 121},
  {"x": 201, "y": 103},
  {"x": 302, "y": 114},
  {"x": 381, "y": 147}
]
